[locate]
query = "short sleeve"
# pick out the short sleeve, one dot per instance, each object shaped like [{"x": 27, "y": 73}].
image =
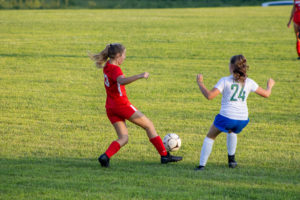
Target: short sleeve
[
  {"x": 253, "y": 85},
  {"x": 220, "y": 85},
  {"x": 116, "y": 72}
]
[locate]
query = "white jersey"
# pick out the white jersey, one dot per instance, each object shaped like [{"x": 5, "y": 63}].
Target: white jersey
[{"x": 235, "y": 94}]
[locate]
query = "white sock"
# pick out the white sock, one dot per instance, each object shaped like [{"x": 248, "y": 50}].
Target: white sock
[
  {"x": 231, "y": 143},
  {"x": 206, "y": 150}
]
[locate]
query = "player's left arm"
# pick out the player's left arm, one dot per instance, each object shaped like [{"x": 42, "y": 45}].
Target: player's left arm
[
  {"x": 266, "y": 92},
  {"x": 122, "y": 80},
  {"x": 209, "y": 94}
]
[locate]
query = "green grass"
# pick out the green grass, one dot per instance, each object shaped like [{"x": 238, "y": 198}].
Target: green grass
[{"x": 53, "y": 124}]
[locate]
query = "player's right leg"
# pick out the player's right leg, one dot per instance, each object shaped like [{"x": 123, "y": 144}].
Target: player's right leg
[
  {"x": 231, "y": 147},
  {"x": 141, "y": 120},
  {"x": 207, "y": 146},
  {"x": 115, "y": 146},
  {"x": 297, "y": 32},
  {"x": 235, "y": 129}
]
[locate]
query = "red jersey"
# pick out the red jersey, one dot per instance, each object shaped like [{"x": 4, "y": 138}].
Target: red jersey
[
  {"x": 116, "y": 93},
  {"x": 297, "y": 11}
]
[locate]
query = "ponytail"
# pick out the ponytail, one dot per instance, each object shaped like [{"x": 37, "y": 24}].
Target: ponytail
[
  {"x": 239, "y": 68},
  {"x": 110, "y": 51},
  {"x": 100, "y": 58}
]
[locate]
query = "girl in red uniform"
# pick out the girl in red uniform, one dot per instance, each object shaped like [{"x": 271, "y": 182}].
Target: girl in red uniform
[
  {"x": 118, "y": 107},
  {"x": 295, "y": 15}
]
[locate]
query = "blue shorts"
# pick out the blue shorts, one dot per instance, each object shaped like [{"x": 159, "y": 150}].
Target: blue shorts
[{"x": 225, "y": 124}]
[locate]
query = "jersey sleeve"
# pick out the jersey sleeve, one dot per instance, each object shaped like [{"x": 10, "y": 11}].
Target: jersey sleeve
[
  {"x": 253, "y": 85},
  {"x": 116, "y": 73},
  {"x": 220, "y": 85}
]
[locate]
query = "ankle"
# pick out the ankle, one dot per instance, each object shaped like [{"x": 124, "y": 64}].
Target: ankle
[{"x": 231, "y": 158}]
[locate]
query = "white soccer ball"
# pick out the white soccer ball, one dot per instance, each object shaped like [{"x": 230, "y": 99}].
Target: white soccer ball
[{"x": 172, "y": 142}]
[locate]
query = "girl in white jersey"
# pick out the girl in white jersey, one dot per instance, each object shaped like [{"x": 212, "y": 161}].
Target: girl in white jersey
[{"x": 233, "y": 115}]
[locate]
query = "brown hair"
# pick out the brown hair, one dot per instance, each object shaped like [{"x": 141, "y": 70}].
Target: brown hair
[
  {"x": 239, "y": 68},
  {"x": 110, "y": 51}
]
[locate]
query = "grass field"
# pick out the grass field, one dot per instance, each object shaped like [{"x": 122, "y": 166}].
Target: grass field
[{"x": 53, "y": 124}]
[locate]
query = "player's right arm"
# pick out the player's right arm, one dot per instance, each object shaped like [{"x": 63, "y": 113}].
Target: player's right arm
[
  {"x": 291, "y": 17},
  {"x": 266, "y": 92},
  {"x": 209, "y": 94},
  {"x": 122, "y": 80}
]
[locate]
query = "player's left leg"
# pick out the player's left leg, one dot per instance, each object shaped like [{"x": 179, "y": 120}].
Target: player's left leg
[
  {"x": 231, "y": 147},
  {"x": 141, "y": 120},
  {"x": 207, "y": 146}
]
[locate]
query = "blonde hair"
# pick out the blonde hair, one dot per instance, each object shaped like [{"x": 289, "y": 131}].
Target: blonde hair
[
  {"x": 110, "y": 51},
  {"x": 240, "y": 67}
]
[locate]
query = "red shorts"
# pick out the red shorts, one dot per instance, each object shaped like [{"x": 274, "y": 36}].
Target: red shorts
[
  {"x": 120, "y": 113},
  {"x": 297, "y": 18}
]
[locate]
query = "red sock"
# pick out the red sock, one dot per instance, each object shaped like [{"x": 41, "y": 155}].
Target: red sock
[
  {"x": 157, "y": 142},
  {"x": 113, "y": 148},
  {"x": 298, "y": 47}
]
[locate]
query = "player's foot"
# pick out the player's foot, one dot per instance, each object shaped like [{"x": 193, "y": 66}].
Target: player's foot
[
  {"x": 199, "y": 168},
  {"x": 298, "y": 58},
  {"x": 170, "y": 158},
  {"x": 231, "y": 161},
  {"x": 104, "y": 160}
]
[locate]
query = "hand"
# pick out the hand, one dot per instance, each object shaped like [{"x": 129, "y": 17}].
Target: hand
[
  {"x": 270, "y": 83},
  {"x": 199, "y": 78},
  {"x": 145, "y": 75},
  {"x": 289, "y": 24}
]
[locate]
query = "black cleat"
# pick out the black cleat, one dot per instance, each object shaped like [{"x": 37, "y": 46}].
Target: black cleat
[
  {"x": 298, "y": 58},
  {"x": 104, "y": 160},
  {"x": 170, "y": 158},
  {"x": 199, "y": 168},
  {"x": 231, "y": 161}
]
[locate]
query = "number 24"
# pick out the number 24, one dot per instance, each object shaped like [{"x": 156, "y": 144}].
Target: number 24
[{"x": 242, "y": 93}]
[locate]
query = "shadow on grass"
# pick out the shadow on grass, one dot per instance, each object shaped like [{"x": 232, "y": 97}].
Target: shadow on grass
[
  {"x": 78, "y": 177},
  {"x": 145, "y": 167}
]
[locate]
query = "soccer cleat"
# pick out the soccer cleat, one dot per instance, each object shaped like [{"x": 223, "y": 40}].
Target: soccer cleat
[
  {"x": 104, "y": 160},
  {"x": 199, "y": 168},
  {"x": 170, "y": 158},
  {"x": 298, "y": 58},
  {"x": 231, "y": 161}
]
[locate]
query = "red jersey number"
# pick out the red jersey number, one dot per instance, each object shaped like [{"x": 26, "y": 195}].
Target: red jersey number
[
  {"x": 119, "y": 89},
  {"x": 106, "y": 81}
]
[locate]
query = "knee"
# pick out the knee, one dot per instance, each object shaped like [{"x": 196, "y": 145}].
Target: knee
[
  {"x": 123, "y": 140},
  {"x": 149, "y": 125},
  {"x": 211, "y": 136}
]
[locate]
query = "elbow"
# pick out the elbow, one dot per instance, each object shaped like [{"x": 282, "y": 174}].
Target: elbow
[
  {"x": 209, "y": 97},
  {"x": 266, "y": 95},
  {"x": 121, "y": 82}
]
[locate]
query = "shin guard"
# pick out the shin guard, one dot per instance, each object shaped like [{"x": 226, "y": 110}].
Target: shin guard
[{"x": 298, "y": 44}]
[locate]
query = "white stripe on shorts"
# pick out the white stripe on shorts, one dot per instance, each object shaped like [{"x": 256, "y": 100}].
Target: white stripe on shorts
[{"x": 133, "y": 107}]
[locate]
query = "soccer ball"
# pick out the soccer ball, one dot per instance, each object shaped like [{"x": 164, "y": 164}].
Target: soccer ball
[{"x": 172, "y": 142}]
